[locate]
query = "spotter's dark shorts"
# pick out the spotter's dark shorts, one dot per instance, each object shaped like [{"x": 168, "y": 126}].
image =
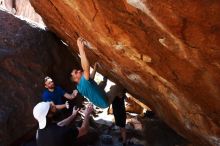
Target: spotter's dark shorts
[{"x": 118, "y": 106}]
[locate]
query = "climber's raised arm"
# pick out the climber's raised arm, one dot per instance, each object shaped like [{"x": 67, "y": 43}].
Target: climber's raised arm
[{"x": 84, "y": 61}]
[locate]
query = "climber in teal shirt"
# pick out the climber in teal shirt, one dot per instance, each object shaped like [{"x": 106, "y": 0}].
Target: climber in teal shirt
[{"x": 86, "y": 84}]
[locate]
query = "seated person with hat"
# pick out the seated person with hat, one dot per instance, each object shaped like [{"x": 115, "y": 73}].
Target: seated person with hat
[{"x": 61, "y": 133}]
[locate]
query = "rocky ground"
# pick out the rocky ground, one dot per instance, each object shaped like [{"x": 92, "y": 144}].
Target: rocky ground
[{"x": 142, "y": 130}]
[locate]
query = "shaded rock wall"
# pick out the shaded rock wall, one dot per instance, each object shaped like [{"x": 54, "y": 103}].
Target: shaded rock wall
[
  {"x": 165, "y": 52},
  {"x": 27, "y": 54}
]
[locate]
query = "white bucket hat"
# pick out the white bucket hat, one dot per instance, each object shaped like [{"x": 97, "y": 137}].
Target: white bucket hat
[{"x": 40, "y": 112}]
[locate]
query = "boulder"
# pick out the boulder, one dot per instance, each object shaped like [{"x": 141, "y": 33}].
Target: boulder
[
  {"x": 165, "y": 53},
  {"x": 22, "y": 9},
  {"x": 27, "y": 55}
]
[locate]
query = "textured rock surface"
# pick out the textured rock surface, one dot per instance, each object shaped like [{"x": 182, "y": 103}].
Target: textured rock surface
[
  {"x": 165, "y": 52},
  {"x": 21, "y": 8},
  {"x": 27, "y": 54}
]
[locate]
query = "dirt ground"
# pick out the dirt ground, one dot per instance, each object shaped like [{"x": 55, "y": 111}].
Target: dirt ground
[{"x": 142, "y": 130}]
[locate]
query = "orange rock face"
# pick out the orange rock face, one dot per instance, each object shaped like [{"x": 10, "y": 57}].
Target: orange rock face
[{"x": 165, "y": 52}]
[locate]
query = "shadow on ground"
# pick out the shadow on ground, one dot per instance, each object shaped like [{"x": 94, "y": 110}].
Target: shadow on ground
[{"x": 144, "y": 130}]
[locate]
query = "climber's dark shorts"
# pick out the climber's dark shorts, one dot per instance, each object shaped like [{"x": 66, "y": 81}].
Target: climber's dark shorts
[{"x": 119, "y": 112}]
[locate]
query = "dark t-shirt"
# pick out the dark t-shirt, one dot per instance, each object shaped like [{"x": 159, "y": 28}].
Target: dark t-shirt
[
  {"x": 54, "y": 135},
  {"x": 55, "y": 96}
]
